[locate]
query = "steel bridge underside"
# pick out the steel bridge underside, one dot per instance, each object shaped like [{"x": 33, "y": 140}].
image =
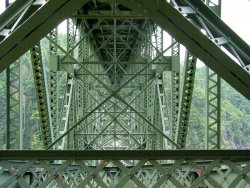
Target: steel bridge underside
[{"x": 122, "y": 93}]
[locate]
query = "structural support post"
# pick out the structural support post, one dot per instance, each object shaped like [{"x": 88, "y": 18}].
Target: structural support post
[
  {"x": 21, "y": 120},
  {"x": 41, "y": 94},
  {"x": 213, "y": 99},
  {"x": 53, "y": 79},
  {"x": 14, "y": 121},
  {"x": 213, "y": 110},
  {"x": 8, "y": 108},
  {"x": 175, "y": 76},
  {"x": 186, "y": 98}
]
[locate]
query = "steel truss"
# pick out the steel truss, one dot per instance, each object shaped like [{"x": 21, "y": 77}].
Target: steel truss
[
  {"x": 223, "y": 168},
  {"x": 169, "y": 17},
  {"x": 121, "y": 93},
  {"x": 88, "y": 134}
]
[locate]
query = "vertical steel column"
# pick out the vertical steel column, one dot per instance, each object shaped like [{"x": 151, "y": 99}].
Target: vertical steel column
[
  {"x": 13, "y": 123},
  {"x": 175, "y": 76},
  {"x": 213, "y": 123},
  {"x": 64, "y": 124},
  {"x": 163, "y": 110},
  {"x": 186, "y": 98},
  {"x": 41, "y": 93},
  {"x": 20, "y": 105},
  {"x": 53, "y": 75},
  {"x": 161, "y": 105},
  {"x": 155, "y": 141},
  {"x": 80, "y": 91},
  {"x": 8, "y": 99},
  {"x": 67, "y": 111},
  {"x": 8, "y": 108},
  {"x": 71, "y": 34},
  {"x": 213, "y": 99},
  {"x": 82, "y": 96}
]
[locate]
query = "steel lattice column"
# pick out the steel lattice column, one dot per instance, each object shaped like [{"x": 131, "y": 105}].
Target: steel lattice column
[
  {"x": 161, "y": 105},
  {"x": 14, "y": 107},
  {"x": 81, "y": 97},
  {"x": 186, "y": 98},
  {"x": 213, "y": 97},
  {"x": 68, "y": 115},
  {"x": 213, "y": 124},
  {"x": 53, "y": 79},
  {"x": 175, "y": 75},
  {"x": 41, "y": 94},
  {"x": 64, "y": 123}
]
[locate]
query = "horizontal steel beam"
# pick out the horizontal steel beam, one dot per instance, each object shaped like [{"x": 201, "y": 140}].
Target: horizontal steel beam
[
  {"x": 109, "y": 15},
  {"x": 121, "y": 154},
  {"x": 117, "y": 62}
]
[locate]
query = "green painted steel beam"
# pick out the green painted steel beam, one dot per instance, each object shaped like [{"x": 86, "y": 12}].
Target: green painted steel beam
[
  {"x": 41, "y": 94},
  {"x": 95, "y": 14},
  {"x": 213, "y": 103},
  {"x": 13, "y": 95},
  {"x": 185, "y": 99},
  {"x": 175, "y": 89},
  {"x": 12, "y": 11},
  {"x": 168, "y": 61},
  {"x": 8, "y": 108},
  {"x": 34, "y": 28},
  {"x": 213, "y": 110},
  {"x": 53, "y": 84},
  {"x": 224, "y": 30},
  {"x": 194, "y": 40},
  {"x": 121, "y": 154}
]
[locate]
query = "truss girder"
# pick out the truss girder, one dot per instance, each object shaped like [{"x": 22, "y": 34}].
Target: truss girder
[
  {"x": 114, "y": 119},
  {"x": 119, "y": 122},
  {"x": 166, "y": 16},
  {"x": 115, "y": 93},
  {"x": 33, "y": 28},
  {"x": 126, "y": 168}
]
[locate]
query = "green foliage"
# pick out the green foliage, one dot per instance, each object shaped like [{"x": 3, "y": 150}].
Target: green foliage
[
  {"x": 235, "y": 116},
  {"x": 36, "y": 142}
]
